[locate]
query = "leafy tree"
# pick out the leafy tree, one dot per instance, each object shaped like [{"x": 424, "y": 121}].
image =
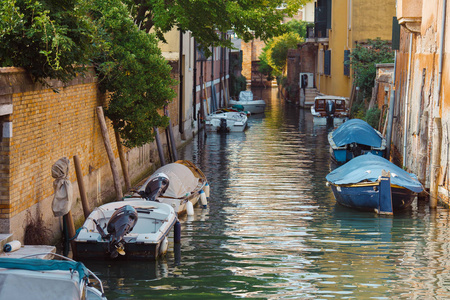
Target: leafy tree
[
  {"x": 277, "y": 50},
  {"x": 363, "y": 60},
  {"x": 48, "y": 38},
  {"x": 248, "y": 19},
  {"x": 132, "y": 69}
]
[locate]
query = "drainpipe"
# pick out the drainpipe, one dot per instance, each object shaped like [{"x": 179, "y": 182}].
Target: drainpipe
[
  {"x": 437, "y": 130},
  {"x": 405, "y": 130},
  {"x": 181, "y": 113},
  {"x": 194, "y": 88},
  {"x": 391, "y": 114}
]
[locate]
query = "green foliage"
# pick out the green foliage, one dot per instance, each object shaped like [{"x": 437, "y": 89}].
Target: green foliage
[
  {"x": 132, "y": 69},
  {"x": 248, "y": 19},
  {"x": 372, "y": 116},
  {"x": 49, "y": 38},
  {"x": 237, "y": 84},
  {"x": 363, "y": 60},
  {"x": 297, "y": 26}
]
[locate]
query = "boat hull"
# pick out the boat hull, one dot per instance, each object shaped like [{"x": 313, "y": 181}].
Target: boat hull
[
  {"x": 253, "y": 106},
  {"x": 365, "y": 196},
  {"x": 133, "y": 251},
  {"x": 342, "y": 156}
]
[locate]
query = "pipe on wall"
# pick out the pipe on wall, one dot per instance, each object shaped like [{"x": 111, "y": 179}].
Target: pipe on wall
[
  {"x": 181, "y": 113},
  {"x": 405, "y": 129}
]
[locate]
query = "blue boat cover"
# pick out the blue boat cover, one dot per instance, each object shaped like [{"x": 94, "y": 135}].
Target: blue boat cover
[
  {"x": 34, "y": 264},
  {"x": 368, "y": 167},
  {"x": 356, "y": 131}
]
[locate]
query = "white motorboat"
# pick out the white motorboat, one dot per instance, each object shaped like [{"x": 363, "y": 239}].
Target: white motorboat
[
  {"x": 229, "y": 121},
  {"x": 248, "y": 103},
  {"x": 329, "y": 108},
  {"x": 135, "y": 228},
  {"x": 184, "y": 183},
  {"x": 44, "y": 279}
]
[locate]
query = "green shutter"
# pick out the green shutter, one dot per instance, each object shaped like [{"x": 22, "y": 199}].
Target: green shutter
[{"x": 395, "y": 34}]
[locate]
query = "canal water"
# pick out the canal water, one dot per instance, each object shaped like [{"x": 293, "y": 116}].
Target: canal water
[{"x": 272, "y": 229}]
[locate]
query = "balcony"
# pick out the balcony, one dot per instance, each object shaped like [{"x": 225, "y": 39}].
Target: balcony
[{"x": 409, "y": 14}]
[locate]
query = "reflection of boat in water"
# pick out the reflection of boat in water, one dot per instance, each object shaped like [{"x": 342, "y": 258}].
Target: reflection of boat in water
[
  {"x": 186, "y": 183},
  {"x": 34, "y": 278},
  {"x": 229, "y": 121},
  {"x": 353, "y": 138},
  {"x": 135, "y": 229},
  {"x": 361, "y": 183},
  {"x": 329, "y": 109},
  {"x": 248, "y": 103}
]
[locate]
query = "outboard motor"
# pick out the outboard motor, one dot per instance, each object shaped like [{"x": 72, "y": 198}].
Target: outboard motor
[
  {"x": 223, "y": 125},
  {"x": 330, "y": 109},
  {"x": 121, "y": 223},
  {"x": 156, "y": 187}
]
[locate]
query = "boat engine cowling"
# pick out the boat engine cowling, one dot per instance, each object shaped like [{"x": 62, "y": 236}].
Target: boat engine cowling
[
  {"x": 121, "y": 223},
  {"x": 155, "y": 187},
  {"x": 223, "y": 127},
  {"x": 330, "y": 108}
]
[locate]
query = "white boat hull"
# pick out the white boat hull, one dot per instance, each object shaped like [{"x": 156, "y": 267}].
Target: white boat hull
[
  {"x": 253, "y": 106},
  {"x": 234, "y": 121},
  {"x": 155, "y": 222}
]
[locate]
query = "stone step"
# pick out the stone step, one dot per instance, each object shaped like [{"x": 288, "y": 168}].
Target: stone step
[{"x": 38, "y": 251}]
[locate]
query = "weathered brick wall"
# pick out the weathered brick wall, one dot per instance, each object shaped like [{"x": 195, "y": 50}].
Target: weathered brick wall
[{"x": 47, "y": 126}]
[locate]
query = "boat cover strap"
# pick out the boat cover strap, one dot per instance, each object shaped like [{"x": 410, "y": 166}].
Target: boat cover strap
[{"x": 368, "y": 167}]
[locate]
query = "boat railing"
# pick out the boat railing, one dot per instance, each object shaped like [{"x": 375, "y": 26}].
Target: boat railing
[{"x": 69, "y": 259}]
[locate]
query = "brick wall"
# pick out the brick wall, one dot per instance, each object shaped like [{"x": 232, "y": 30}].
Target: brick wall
[{"x": 47, "y": 126}]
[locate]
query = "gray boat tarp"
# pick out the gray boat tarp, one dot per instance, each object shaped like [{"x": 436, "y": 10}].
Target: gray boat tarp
[
  {"x": 368, "y": 167},
  {"x": 245, "y": 96},
  {"x": 63, "y": 198},
  {"x": 356, "y": 131},
  {"x": 181, "y": 180}
]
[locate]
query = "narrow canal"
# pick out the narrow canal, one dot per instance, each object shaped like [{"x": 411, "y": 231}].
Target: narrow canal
[{"x": 273, "y": 230}]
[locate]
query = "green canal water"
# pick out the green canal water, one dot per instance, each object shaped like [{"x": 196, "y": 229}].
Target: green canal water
[{"x": 272, "y": 229}]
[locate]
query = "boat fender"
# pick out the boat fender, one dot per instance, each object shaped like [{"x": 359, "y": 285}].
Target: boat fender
[
  {"x": 203, "y": 199},
  {"x": 189, "y": 208},
  {"x": 12, "y": 246},
  {"x": 206, "y": 189},
  {"x": 164, "y": 246},
  {"x": 177, "y": 232}
]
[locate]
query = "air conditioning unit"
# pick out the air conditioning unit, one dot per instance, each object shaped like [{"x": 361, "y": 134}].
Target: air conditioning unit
[{"x": 307, "y": 79}]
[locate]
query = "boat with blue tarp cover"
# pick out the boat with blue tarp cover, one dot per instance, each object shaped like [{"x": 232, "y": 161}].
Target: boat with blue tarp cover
[
  {"x": 353, "y": 138},
  {"x": 35, "y": 278},
  {"x": 356, "y": 184}
]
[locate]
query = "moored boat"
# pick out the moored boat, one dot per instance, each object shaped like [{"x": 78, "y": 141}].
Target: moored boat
[
  {"x": 35, "y": 278},
  {"x": 360, "y": 184},
  {"x": 328, "y": 109},
  {"x": 254, "y": 106},
  {"x": 226, "y": 121},
  {"x": 353, "y": 138},
  {"x": 185, "y": 183},
  {"x": 131, "y": 229}
]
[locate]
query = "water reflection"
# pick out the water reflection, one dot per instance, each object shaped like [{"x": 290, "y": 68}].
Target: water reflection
[{"x": 273, "y": 229}]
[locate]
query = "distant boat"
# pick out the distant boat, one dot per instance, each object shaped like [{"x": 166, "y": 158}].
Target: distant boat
[
  {"x": 186, "y": 183},
  {"x": 353, "y": 138},
  {"x": 132, "y": 229},
  {"x": 248, "y": 103},
  {"x": 361, "y": 184},
  {"x": 329, "y": 108},
  {"x": 34, "y": 278},
  {"x": 230, "y": 121}
]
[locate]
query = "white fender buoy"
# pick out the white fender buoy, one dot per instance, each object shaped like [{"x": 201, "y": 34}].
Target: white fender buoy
[
  {"x": 189, "y": 208},
  {"x": 206, "y": 189},
  {"x": 203, "y": 199},
  {"x": 164, "y": 246},
  {"x": 12, "y": 246}
]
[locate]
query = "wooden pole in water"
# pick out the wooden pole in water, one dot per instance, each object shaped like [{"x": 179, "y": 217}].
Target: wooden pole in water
[
  {"x": 172, "y": 138},
  {"x": 435, "y": 162},
  {"x": 123, "y": 161},
  {"x": 71, "y": 230},
  {"x": 81, "y": 188},
  {"x": 106, "y": 141}
]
